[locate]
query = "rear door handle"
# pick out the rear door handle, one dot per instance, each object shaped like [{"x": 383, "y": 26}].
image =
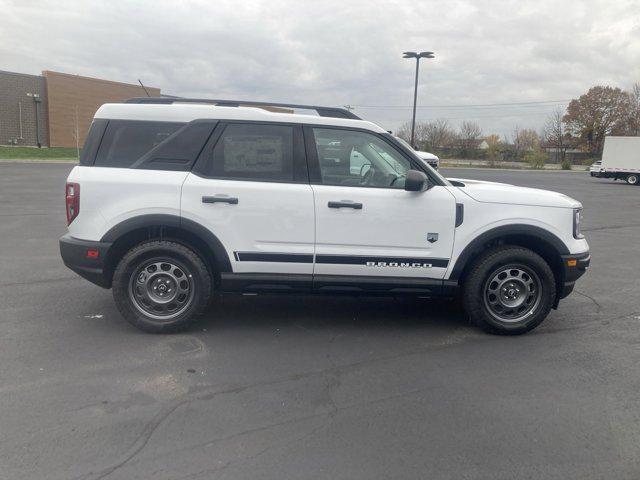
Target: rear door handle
[
  {"x": 345, "y": 204},
  {"x": 220, "y": 199}
]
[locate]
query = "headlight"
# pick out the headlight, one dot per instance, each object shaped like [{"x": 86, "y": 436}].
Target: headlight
[{"x": 577, "y": 223}]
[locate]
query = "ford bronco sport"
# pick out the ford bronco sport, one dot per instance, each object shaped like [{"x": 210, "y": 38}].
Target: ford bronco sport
[{"x": 176, "y": 200}]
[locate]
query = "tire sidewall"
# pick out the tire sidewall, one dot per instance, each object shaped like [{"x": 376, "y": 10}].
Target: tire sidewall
[
  {"x": 635, "y": 179},
  {"x": 475, "y": 289},
  {"x": 169, "y": 251}
]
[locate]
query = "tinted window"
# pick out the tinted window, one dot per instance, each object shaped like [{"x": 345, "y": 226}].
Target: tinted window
[
  {"x": 92, "y": 141},
  {"x": 358, "y": 159},
  {"x": 179, "y": 151},
  {"x": 125, "y": 141},
  {"x": 253, "y": 152}
]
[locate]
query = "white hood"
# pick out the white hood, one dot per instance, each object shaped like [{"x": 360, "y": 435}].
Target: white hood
[
  {"x": 426, "y": 155},
  {"x": 492, "y": 192}
]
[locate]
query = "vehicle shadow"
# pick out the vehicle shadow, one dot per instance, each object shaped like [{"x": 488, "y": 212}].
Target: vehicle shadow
[{"x": 323, "y": 312}]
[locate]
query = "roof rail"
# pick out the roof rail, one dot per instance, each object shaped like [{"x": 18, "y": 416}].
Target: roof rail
[{"x": 334, "y": 112}]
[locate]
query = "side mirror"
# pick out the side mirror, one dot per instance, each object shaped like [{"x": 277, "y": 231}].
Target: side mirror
[{"x": 415, "y": 181}]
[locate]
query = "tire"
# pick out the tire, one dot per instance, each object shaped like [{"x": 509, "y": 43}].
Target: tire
[
  {"x": 633, "y": 179},
  {"x": 509, "y": 290},
  {"x": 160, "y": 286}
]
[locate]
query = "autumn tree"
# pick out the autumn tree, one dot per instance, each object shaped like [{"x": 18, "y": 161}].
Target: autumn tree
[
  {"x": 493, "y": 139},
  {"x": 524, "y": 140},
  {"x": 468, "y": 136},
  {"x": 600, "y": 112},
  {"x": 494, "y": 149}
]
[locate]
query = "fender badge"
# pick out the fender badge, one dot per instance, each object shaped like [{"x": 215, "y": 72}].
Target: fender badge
[{"x": 432, "y": 237}]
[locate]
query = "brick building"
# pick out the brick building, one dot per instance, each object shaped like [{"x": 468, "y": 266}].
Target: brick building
[
  {"x": 20, "y": 96},
  {"x": 65, "y": 105}
]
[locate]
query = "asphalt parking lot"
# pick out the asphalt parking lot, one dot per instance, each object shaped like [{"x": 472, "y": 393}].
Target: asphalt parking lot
[{"x": 315, "y": 387}]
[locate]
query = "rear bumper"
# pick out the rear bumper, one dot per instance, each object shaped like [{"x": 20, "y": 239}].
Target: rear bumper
[
  {"x": 574, "y": 266},
  {"x": 74, "y": 255}
]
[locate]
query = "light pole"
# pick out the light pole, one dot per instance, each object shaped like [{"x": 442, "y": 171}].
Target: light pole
[
  {"x": 36, "y": 101},
  {"x": 417, "y": 56}
]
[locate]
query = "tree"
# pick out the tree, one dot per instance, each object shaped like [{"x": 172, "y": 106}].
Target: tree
[
  {"x": 524, "y": 140},
  {"x": 555, "y": 136},
  {"x": 634, "y": 110},
  {"x": 404, "y": 132},
  {"x": 468, "y": 136},
  {"x": 494, "y": 149},
  {"x": 429, "y": 136},
  {"x": 600, "y": 112},
  {"x": 536, "y": 157},
  {"x": 437, "y": 134}
]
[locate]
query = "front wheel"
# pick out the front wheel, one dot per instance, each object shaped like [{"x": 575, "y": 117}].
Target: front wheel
[
  {"x": 159, "y": 286},
  {"x": 509, "y": 290},
  {"x": 633, "y": 179}
]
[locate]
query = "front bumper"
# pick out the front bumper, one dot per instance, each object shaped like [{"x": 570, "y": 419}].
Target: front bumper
[
  {"x": 573, "y": 267},
  {"x": 75, "y": 255}
]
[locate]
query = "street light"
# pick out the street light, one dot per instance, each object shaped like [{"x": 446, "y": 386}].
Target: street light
[{"x": 417, "y": 56}]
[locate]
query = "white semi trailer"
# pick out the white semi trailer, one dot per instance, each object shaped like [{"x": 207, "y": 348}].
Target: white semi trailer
[{"x": 621, "y": 159}]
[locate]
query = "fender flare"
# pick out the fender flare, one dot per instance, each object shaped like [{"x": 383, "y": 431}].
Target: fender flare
[
  {"x": 476, "y": 245},
  {"x": 173, "y": 221}
]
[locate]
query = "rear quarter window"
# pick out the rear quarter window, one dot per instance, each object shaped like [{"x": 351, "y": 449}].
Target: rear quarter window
[
  {"x": 125, "y": 141},
  {"x": 92, "y": 141}
]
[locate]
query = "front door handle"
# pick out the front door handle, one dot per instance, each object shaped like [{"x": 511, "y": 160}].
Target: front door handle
[
  {"x": 220, "y": 199},
  {"x": 345, "y": 204}
]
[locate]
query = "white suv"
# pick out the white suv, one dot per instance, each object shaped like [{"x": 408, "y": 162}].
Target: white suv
[{"x": 177, "y": 199}]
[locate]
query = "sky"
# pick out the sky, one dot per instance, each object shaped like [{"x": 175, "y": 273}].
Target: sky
[{"x": 533, "y": 55}]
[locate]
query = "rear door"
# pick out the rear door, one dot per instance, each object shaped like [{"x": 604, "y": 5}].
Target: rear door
[{"x": 250, "y": 188}]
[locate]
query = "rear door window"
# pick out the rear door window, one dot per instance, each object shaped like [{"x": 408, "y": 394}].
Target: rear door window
[{"x": 257, "y": 152}]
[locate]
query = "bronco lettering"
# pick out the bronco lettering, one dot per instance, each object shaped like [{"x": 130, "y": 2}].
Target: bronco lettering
[{"x": 401, "y": 264}]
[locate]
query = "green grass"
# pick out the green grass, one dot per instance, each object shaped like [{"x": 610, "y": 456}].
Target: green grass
[{"x": 33, "y": 153}]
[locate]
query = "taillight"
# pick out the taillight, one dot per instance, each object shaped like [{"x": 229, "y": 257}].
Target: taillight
[{"x": 72, "y": 192}]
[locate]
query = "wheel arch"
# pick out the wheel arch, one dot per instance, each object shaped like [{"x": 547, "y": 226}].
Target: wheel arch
[
  {"x": 541, "y": 241},
  {"x": 132, "y": 231}
]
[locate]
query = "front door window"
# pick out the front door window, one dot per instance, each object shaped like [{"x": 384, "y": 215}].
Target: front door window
[{"x": 358, "y": 159}]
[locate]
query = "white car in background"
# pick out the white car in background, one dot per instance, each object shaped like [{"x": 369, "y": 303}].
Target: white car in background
[{"x": 430, "y": 158}]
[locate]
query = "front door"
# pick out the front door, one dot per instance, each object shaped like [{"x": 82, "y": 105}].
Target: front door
[{"x": 366, "y": 223}]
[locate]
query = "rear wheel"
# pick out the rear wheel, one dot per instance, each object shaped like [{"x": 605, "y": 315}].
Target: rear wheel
[
  {"x": 509, "y": 290},
  {"x": 159, "y": 286},
  {"x": 633, "y": 179}
]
